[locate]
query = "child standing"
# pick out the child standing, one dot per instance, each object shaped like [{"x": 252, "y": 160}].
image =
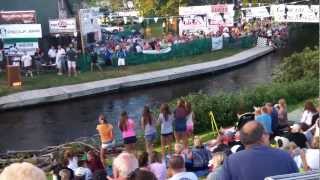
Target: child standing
[{"x": 106, "y": 136}]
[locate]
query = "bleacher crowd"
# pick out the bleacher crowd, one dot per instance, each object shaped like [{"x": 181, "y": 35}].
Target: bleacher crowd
[{"x": 264, "y": 143}]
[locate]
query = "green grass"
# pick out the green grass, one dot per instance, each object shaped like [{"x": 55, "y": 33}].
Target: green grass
[{"x": 47, "y": 80}]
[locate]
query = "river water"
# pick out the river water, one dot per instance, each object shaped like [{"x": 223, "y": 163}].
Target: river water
[{"x": 53, "y": 124}]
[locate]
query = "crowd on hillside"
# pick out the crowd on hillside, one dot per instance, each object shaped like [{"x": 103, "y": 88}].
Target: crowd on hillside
[{"x": 263, "y": 143}]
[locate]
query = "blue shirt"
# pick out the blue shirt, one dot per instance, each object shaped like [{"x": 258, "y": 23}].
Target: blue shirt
[
  {"x": 266, "y": 121},
  {"x": 257, "y": 163}
]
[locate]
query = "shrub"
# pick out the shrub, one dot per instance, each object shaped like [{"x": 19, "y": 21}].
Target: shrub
[
  {"x": 226, "y": 105},
  {"x": 302, "y": 65}
]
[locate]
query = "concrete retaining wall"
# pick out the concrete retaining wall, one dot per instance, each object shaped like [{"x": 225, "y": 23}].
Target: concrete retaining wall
[{"x": 28, "y": 98}]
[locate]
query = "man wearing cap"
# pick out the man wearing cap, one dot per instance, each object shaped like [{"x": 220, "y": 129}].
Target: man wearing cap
[
  {"x": 297, "y": 136},
  {"x": 258, "y": 160}
]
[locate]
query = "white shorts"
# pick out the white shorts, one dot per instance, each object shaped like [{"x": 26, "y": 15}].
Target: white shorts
[
  {"x": 72, "y": 64},
  {"x": 121, "y": 62},
  {"x": 107, "y": 145},
  {"x": 58, "y": 63}
]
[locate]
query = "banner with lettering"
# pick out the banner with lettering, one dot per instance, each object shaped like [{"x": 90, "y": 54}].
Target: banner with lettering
[
  {"x": 217, "y": 43},
  {"x": 295, "y": 13},
  {"x": 256, "y": 12}
]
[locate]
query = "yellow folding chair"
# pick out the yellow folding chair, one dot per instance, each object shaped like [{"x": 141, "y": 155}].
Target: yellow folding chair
[{"x": 214, "y": 125}]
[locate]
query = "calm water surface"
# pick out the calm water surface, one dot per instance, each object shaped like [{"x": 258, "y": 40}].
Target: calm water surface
[{"x": 53, "y": 124}]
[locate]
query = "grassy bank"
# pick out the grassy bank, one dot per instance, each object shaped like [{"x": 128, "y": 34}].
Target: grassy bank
[{"x": 47, "y": 80}]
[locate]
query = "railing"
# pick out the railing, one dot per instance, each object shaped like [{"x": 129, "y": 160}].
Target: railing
[{"x": 311, "y": 175}]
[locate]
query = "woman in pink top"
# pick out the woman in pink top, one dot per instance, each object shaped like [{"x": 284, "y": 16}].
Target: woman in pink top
[{"x": 127, "y": 126}]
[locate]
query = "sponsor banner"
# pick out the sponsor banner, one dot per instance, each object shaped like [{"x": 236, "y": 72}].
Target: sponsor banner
[
  {"x": 194, "y": 10},
  {"x": 217, "y": 43},
  {"x": 89, "y": 20},
  {"x": 127, "y": 13},
  {"x": 256, "y": 12},
  {"x": 192, "y": 24},
  {"x": 17, "y": 17},
  {"x": 62, "y": 26},
  {"x": 14, "y": 31},
  {"x": 206, "y": 18},
  {"x": 295, "y": 13},
  {"x": 221, "y": 18},
  {"x": 22, "y": 47},
  {"x": 220, "y": 8}
]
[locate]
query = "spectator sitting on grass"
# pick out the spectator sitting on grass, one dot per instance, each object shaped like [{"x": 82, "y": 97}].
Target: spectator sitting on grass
[
  {"x": 93, "y": 162},
  {"x": 123, "y": 166},
  {"x": 199, "y": 156},
  {"x": 143, "y": 159},
  {"x": 157, "y": 166},
  {"x": 71, "y": 159},
  {"x": 216, "y": 164},
  {"x": 83, "y": 172},
  {"x": 178, "y": 171},
  {"x": 297, "y": 136},
  {"x": 257, "y": 161},
  {"x": 22, "y": 171}
]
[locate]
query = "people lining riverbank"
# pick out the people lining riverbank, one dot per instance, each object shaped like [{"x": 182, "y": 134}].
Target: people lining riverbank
[{"x": 196, "y": 157}]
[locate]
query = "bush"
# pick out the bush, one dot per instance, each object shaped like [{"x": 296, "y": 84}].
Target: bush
[
  {"x": 225, "y": 106},
  {"x": 299, "y": 65}
]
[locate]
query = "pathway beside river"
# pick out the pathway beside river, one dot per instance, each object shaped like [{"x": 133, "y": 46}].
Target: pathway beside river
[{"x": 34, "y": 97}]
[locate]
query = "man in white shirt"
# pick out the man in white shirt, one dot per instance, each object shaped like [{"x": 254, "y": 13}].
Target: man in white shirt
[
  {"x": 52, "y": 53},
  {"x": 178, "y": 170},
  {"x": 61, "y": 53},
  {"x": 26, "y": 60}
]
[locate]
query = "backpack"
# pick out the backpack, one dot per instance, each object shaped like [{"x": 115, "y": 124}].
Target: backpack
[{"x": 200, "y": 158}]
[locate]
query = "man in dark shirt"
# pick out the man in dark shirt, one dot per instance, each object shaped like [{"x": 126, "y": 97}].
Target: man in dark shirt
[
  {"x": 297, "y": 136},
  {"x": 72, "y": 58},
  {"x": 258, "y": 160}
]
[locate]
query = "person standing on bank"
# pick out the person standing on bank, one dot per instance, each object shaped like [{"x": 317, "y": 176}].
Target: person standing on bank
[
  {"x": 180, "y": 123},
  {"x": 26, "y": 59},
  {"x": 38, "y": 59},
  {"x": 106, "y": 136},
  {"x": 190, "y": 119},
  {"x": 59, "y": 59},
  {"x": 121, "y": 54},
  {"x": 126, "y": 126},
  {"x": 52, "y": 53},
  {"x": 166, "y": 120},
  {"x": 94, "y": 59},
  {"x": 148, "y": 125},
  {"x": 72, "y": 58}
]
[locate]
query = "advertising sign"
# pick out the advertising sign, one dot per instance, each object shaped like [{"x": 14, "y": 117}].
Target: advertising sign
[
  {"x": 192, "y": 24},
  {"x": 14, "y": 31},
  {"x": 220, "y": 8},
  {"x": 62, "y": 26},
  {"x": 29, "y": 47},
  {"x": 295, "y": 13},
  {"x": 206, "y": 18},
  {"x": 256, "y": 12},
  {"x": 17, "y": 17},
  {"x": 217, "y": 43},
  {"x": 89, "y": 20}
]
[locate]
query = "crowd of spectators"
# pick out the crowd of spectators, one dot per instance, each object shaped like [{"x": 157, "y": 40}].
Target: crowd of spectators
[{"x": 264, "y": 143}]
